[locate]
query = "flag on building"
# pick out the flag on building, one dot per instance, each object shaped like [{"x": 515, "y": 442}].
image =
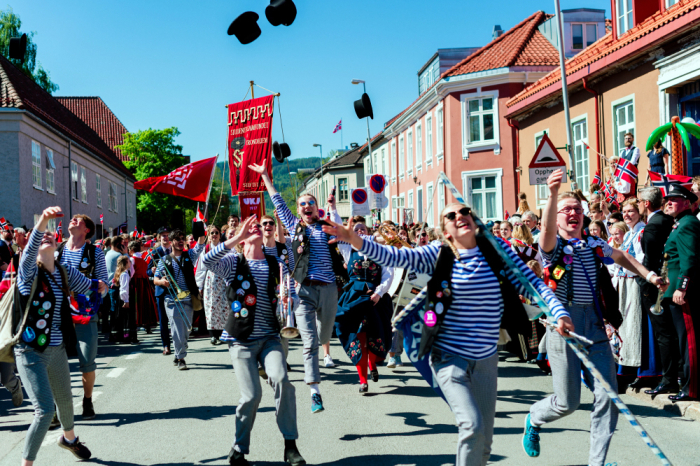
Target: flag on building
[
  {"x": 3, "y": 224},
  {"x": 59, "y": 232},
  {"x": 339, "y": 126},
  {"x": 663, "y": 182},
  {"x": 597, "y": 179},
  {"x": 626, "y": 175},
  {"x": 102, "y": 218}
]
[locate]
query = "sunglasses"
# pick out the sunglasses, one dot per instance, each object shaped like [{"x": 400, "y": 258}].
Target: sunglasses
[
  {"x": 450, "y": 216},
  {"x": 269, "y": 222},
  {"x": 310, "y": 203},
  {"x": 568, "y": 210},
  {"x": 214, "y": 233}
]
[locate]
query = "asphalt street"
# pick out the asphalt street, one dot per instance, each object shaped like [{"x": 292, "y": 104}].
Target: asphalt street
[{"x": 149, "y": 413}]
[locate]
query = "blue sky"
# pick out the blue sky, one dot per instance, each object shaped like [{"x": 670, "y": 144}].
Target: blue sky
[{"x": 159, "y": 64}]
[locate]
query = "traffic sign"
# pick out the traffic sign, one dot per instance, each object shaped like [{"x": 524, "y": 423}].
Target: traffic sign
[
  {"x": 359, "y": 205},
  {"x": 359, "y": 196},
  {"x": 546, "y": 161},
  {"x": 377, "y": 183}
]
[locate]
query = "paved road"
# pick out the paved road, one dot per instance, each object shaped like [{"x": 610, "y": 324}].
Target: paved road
[{"x": 151, "y": 414}]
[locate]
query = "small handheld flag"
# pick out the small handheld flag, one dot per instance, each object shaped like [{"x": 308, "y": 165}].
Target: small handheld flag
[
  {"x": 3, "y": 224},
  {"x": 597, "y": 179},
  {"x": 102, "y": 218},
  {"x": 59, "y": 233}
]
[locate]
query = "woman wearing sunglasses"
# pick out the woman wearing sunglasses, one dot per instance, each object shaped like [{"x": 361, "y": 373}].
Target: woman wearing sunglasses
[
  {"x": 575, "y": 271},
  {"x": 462, "y": 317}
]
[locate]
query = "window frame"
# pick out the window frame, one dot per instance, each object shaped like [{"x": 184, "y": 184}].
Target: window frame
[
  {"x": 440, "y": 123},
  {"x": 342, "y": 198},
  {"x": 393, "y": 161},
  {"x": 429, "y": 192},
  {"x": 498, "y": 173},
  {"x": 419, "y": 146},
  {"x": 586, "y": 180},
  {"x": 625, "y": 17},
  {"x": 409, "y": 153},
  {"x": 50, "y": 172},
  {"x": 484, "y": 144},
  {"x": 74, "y": 181},
  {"x": 429, "y": 140},
  {"x": 419, "y": 204},
  {"x": 98, "y": 189},
  {"x": 113, "y": 198},
  {"x": 540, "y": 201},
  {"x": 615, "y": 105},
  {"x": 394, "y": 203},
  {"x": 585, "y": 42},
  {"x": 384, "y": 166},
  {"x": 402, "y": 160},
  {"x": 83, "y": 185},
  {"x": 36, "y": 166}
]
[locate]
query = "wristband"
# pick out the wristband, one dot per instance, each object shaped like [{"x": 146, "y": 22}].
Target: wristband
[{"x": 650, "y": 275}]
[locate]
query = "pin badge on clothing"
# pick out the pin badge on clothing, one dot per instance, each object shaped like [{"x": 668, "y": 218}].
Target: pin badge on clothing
[
  {"x": 250, "y": 300},
  {"x": 568, "y": 249},
  {"x": 244, "y": 312},
  {"x": 430, "y": 319},
  {"x": 245, "y": 285},
  {"x": 439, "y": 307},
  {"x": 84, "y": 264}
]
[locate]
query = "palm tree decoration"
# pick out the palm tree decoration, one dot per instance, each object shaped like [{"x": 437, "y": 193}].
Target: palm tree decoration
[{"x": 678, "y": 131}]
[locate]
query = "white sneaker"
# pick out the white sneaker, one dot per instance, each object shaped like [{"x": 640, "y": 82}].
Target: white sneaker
[
  {"x": 328, "y": 361},
  {"x": 391, "y": 362}
]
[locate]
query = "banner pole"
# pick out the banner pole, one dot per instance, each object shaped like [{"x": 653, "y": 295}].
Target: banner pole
[
  {"x": 252, "y": 90},
  {"x": 211, "y": 181}
]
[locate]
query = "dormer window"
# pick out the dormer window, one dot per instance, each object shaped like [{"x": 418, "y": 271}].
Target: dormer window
[
  {"x": 625, "y": 18},
  {"x": 583, "y": 35}
]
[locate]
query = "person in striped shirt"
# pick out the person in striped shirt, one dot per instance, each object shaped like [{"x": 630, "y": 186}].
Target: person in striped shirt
[
  {"x": 261, "y": 344},
  {"x": 41, "y": 352},
  {"x": 316, "y": 264},
  {"x": 462, "y": 317},
  {"x": 573, "y": 263}
]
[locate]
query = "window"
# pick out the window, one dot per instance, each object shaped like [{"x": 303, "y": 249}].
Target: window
[
  {"x": 439, "y": 134},
  {"x": 480, "y": 119},
  {"x": 401, "y": 158},
  {"x": 129, "y": 206},
  {"x": 623, "y": 116},
  {"x": 429, "y": 140},
  {"x": 580, "y": 131},
  {"x": 393, "y": 161},
  {"x": 624, "y": 16},
  {"x": 51, "y": 226},
  {"x": 384, "y": 172},
  {"x": 670, "y": 3},
  {"x": 479, "y": 123},
  {"x": 484, "y": 192},
  {"x": 83, "y": 185},
  {"x": 419, "y": 204},
  {"x": 400, "y": 204},
  {"x": 542, "y": 190},
  {"x": 74, "y": 179},
  {"x": 98, "y": 186},
  {"x": 343, "y": 192},
  {"x": 409, "y": 153},
  {"x": 113, "y": 206},
  {"x": 430, "y": 213},
  {"x": 583, "y": 35},
  {"x": 50, "y": 172},
  {"x": 419, "y": 146},
  {"x": 393, "y": 208},
  {"x": 36, "y": 164},
  {"x": 409, "y": 199}
]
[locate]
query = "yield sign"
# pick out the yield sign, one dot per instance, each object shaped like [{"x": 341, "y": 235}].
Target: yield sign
[{"x": 545, "y": 161}]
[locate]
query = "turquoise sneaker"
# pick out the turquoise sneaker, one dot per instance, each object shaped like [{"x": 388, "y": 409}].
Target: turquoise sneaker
[
  {"x": 531, "y": 439},
  {"x": 316, "y": 403}
]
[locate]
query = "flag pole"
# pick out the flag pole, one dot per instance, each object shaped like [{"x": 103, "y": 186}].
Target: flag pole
[
  {"x": 341, "y": 135},
  {"x": 211, "y": 181}
]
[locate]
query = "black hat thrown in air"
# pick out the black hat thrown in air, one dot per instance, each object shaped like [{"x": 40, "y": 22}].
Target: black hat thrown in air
[
  {"x": 18, "y": 47},
  {"x": 281, "y": 151},
  {"x": 245, "y": 27},
  {"x": 281, "y": 12},
  {"x": 363, "y": 107}
]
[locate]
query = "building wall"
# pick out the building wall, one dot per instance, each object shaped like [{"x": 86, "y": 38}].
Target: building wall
[
  {"x": 17, "y": 131},
  {"x": 638, "y": 84}
]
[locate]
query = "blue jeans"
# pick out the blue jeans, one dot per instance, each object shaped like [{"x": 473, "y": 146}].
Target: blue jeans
[{"x": 163, "y": 318}]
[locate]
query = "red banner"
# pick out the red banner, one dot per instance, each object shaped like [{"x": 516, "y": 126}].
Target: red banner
[
  {"x": 190, "y": 181},
  {"x": 251, "y": 204},
  {"x": 249, "y": 141}
]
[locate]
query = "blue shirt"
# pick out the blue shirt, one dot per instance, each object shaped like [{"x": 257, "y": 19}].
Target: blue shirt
[{"x": 191, "y": 255}]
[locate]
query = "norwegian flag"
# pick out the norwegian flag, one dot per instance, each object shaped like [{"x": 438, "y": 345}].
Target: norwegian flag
[
  {"x": 626, "y": 174},
  {"x": 102, "y": 218},
  {"x": 3, "y": 224},
  {"x": 148, "y": 257},
  {"x": 597, "y": 179},
  {"x": 507, "y": 215},
  {"x": 663, "y": 182},
  {"x": 143, "y": 233},
  {"x": 199, "y": 217},
  {"x": 339, "y": 126},
  {"x": 609, "y": 192},
  {"x": 59, "y": 232},
  {"x": 122, "y": 227}
]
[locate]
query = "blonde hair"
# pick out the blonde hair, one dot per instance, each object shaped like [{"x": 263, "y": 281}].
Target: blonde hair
[
  {"x": 522, "y": 205},
  {"x": 632, "y": 202},
  {"x": 523, "y": 233},
  {"x": 123, "y": 264},
  {"x": 568, "y": 195},
  {"x": 535, "y": 267},
  {"x": 622, "y": 226},
  {"x": 440, "y": 234}
]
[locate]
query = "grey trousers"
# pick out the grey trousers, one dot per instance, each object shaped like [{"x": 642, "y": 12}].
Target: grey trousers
[
  {"x": 566, "y": 377},
  {"x": 469, "y": 387},
  {"x": 315, "y": 320},
  {"x": 178, "y": 326},
  {"x": 245, "y": 357},
  {"x": 46, "y": 378},
  {"x": 87, "y": 345},
  {"x": 8, "y": 377},
  {"x": 396, "y": 342}
]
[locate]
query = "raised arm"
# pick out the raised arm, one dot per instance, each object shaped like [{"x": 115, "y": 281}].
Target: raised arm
[
  {"x": 548, "y": 236},
  {"x": 266, "y": 179},
  {"x": 219, "y": 261},
  {"x": 27, "y": 264}
]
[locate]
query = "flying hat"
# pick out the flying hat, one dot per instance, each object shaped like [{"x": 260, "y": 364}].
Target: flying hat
[
  {"x": 363, "y": 107},
  {"x": 245, "y": 27},
  {"x": 18, "y": 47},
  {"x": 281, "y": 12},
  {"x": 677, "y": 190},
  {"x": 281, "y": 151}
]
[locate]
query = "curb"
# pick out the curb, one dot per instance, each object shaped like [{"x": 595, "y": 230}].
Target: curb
[{"x": 686, "y": 409}]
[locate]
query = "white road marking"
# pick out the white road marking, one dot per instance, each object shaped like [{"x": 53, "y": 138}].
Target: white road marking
[
  {"x": 116, "y": 372},
  {"x": 80, "y": 403},
  {"x": 133, "y": 356}
]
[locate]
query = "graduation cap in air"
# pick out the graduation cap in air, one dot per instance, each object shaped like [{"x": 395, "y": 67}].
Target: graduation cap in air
[
  {"x": 363, "y": 107},
  {"x": 281, "y": 151},
  {"x": 245, "y": 27},
  {"x": 281, "y": 12},
  {"x": 18, "y": 47}
]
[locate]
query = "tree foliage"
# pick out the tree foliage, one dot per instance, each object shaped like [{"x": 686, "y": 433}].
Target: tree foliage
[
  {"x": 10, "y": 25},
  {"x": 153, "y": 152}
]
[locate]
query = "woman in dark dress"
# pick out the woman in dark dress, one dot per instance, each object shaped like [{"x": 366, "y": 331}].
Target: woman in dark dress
[{"x": 658, "y": 159}]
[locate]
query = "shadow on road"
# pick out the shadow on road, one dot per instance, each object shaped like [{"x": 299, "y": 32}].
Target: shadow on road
[{"x": 202, "y": 413}]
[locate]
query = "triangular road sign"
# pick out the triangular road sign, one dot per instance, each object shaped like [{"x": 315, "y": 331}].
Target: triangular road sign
[{"x": 546, "y": 155}]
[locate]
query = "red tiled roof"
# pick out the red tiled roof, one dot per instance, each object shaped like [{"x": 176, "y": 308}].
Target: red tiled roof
[
  {"x": 17, "y": 90},
  {"x": 604, "y": 47},
  {"x": 522, "y": 45},
  {"x": 98, "y": 116}
]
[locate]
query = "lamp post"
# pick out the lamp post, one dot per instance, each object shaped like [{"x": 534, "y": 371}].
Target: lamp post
[
  {"x": 320, "y": 149},
  {"x": 369, "y": 137}
]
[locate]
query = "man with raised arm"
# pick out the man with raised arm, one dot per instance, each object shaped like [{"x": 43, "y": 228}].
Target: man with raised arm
[{"x": 316, "y": 264}]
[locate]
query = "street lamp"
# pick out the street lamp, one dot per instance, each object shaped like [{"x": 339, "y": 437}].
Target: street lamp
[
  {"x": 320, "y": 148},
  {"x": 369, "y": 136}
]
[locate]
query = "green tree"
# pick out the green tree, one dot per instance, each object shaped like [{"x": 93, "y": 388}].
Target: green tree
[
  {"x": 153, "y": 152},
  {"x": 10, "y": 25}
]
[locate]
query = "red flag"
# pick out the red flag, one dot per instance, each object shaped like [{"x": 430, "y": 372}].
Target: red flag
[
  {"x": 596, "y": 179},
  {"x": 663, "y": 182},
  {"x": 190, "y": 181},
  {"x": 626, "y": 174},
  {"x": 59, "y": 233},
  {"x": 199, "y": 217},
  {"x": 507, "y": 215},
  {"x": 102, "y": 218},
  {"x": 338, "y": 127},
  {"x": 3, "y": 224},
  {"x": 6, "y": 280}
]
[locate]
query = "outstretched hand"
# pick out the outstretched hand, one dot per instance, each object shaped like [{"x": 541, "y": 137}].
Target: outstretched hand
[
  {"x": 341, "y": 233},
  {"x": 554, "y": 181},
  {"x": 243, "y": 233},
  {"x": 258, "y": 168}
]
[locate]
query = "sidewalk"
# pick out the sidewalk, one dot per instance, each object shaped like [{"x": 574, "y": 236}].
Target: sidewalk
[{"x": 687, "y": 409}]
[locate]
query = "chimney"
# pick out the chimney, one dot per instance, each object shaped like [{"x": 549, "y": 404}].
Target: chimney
[{"x": 497, "y": 31}]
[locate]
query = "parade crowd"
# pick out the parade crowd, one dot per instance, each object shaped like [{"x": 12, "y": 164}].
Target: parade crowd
[{"x": 251, "y": 284}]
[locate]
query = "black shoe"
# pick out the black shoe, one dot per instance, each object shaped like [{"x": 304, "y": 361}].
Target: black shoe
[
  {"x": 181, "y": 366},
  {"x": 661, "y": 389},
  {"x": 77, "y": 448},
  {"x": 88, "y": 410},
  {"x": 375, "y": 375},
  {"x": 236, "y": 458},
  {"x": 175, "y": 361},
  {"x": 682, "y": 396},
  {"x": 134, "y": 341},
  {"x": 292, "y": 455},
  {"x": 364, "y": 389},
  {"x": 214, "y": 341},
  {"x": 55, "y": 423},
  {"x": 261, "y": 371},
  {"x": 637, "y": 384},
  {"x": 289, "y": 368}
]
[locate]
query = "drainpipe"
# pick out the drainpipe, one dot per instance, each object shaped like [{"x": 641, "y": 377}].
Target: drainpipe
[
  {"x": 597, "y": 124},
  {"x": 517, "y": 158}
]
